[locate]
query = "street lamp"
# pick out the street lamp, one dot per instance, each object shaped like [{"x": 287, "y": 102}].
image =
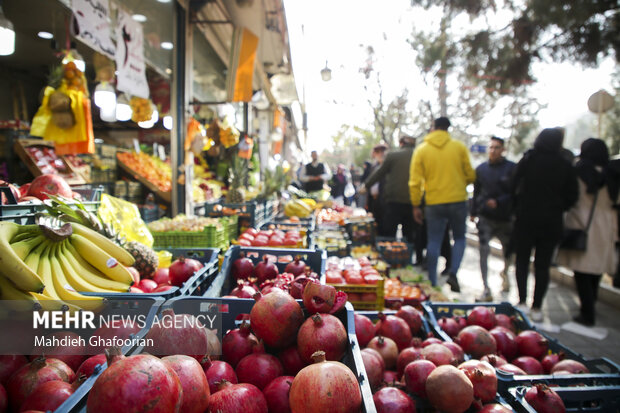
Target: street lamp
[{"x": 326, "y": 73}]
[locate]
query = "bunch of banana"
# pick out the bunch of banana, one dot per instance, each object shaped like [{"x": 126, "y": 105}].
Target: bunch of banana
[
  {"x": 301, "y": 208},
  {"x": 48, "y": 268}
]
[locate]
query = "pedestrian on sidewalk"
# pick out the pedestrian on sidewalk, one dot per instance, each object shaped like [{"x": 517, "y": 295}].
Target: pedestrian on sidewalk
[
  {"x": 595, "y": 213},
  {"x": 441, "y": 170},
  {"x": 491, "y": 209},
  {"x": 544, "y": 187}
]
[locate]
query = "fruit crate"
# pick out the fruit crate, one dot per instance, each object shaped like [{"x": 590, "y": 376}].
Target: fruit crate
[
  {"x": 309, "y": 222},
  {"x": 225, "y": 283},
  {"x": 231, "y": 311},
  {"x": 197, "y": 284},
  {"x": 377, "y": 305},
  {"x": 397, "y": 258},
  {"x": 149, "y": 213},
  {"x": 232, "y": 227},
  {"x": 212, "y": 236},
  {"x": 247, "y": 213},
  {"x": 361, "y": 231},
  {"x": 127, "y": 305},
  {"x": 305, "y": 236}
]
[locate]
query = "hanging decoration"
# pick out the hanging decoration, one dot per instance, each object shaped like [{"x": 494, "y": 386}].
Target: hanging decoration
[
  {"x": 131, "y": 77},
  {"x": 142, "y": 109},
  {"x": 92, "y": 18}
]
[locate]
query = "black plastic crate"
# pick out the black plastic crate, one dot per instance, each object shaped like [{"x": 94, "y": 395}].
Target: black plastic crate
[
  {"x": 396, "y": 258},
  {"x": 361, "y": 231},
  {"x": 224, "y": 284},
  {"x": 133, "y": 304},
  {"x": 249, "y": 214},
  {"x": 309, "y": 222}
]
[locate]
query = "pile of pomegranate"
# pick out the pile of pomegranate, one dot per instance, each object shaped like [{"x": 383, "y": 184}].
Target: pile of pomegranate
[
  {"x": 163, "y": 279},
  {"x": 252, "y": 237}
]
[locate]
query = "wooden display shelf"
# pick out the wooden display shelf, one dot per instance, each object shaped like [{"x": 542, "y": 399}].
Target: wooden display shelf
[
  {"x": 165, "y": 196},
  {"x": 73, "y": 177}
]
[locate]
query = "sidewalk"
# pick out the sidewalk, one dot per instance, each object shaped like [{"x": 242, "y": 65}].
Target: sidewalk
[{"x": 561, "y": 303}]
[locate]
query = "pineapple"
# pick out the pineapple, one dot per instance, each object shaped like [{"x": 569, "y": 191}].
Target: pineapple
[
  {"x": 147, "y": 260},
  {"x": 237, "y": 175}
]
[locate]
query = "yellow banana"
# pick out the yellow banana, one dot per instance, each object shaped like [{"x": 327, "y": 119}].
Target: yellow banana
[
  {"x": 309, "y": 201},
  {"x": 78, "y": 282},
  {"x": 66, "y": 291},
  {"x": 48, "y": 303},
  {"x": 90, "y": 274},
  {"x": 15, "y": 298},
  {"x": 23, "y": 248},
  {"x": 101, "y": 260},
  {"x": 120, "y": 253},
  {"x": 12, "y": 266},
  {"x": 45, "y": 270},
  {"x": 26, "y": 232}
]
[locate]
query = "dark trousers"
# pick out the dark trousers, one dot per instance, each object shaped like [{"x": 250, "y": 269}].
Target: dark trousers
[
  {"x": 397, "y": 213},
  {"x": 587, "y": 289},
  {"x": 420, "y": 241},
  {"x": 525, "y": 241}
]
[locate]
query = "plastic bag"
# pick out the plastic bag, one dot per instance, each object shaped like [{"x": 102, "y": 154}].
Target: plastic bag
[{"x": 125, "y": 218}]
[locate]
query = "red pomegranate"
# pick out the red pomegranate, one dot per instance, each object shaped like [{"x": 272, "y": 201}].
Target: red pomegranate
[
  {"x": 147, "y": 285},
  {"x": 16, "y": 192},
  {"x": 428, "y": 341},
  {"x": 276, "y": 393},
  {"x": 72, "y": 354},
  {"x": 213, "y": 344},
  {"x": 364, "y": 329},
  {"x": 375, "y": 353},
  {"x": 457, "y": 351},
  {"x": 512, "y": 369},
  {"x": 131, "y": 383},
  {"x": 182, "y": 269},
  {"x": 387, "y": 348},
  {"x": 322, "y": 332},
  {"x": 482, "y": 377},
  {"x": 184, "y": 335},
  {"x": 449, "y": 325},
  {"x": 494, "y": 360},
  {"x": 573, "y": 366},
  {"x": 393, "y": 400},
  {"x": 476, "y": 341},
  {"x": 506, "y": 321},
  {"x": 25, "y": 380},
  {"x": 265, "y": 270},
  {"x": 9, "y": 364},
  {"x": 551, "y": 360},
  {"x": 391, "y": 377},
  {"x": 395, "y": 328},
  {"x": 412, "y": 316},
  {"x": 49, "y": 184},
  {"x": 532, "y": 343},
  {"x": 407, "y": 356},
  {"x": 319, "y": 298},
  {"x": 296, "y": 267},
  {"x": 449, "y": 390},
  {"x": 161, "y": 276},
  {"x": 482, "y": 316},
  {"x": 259, "y": 369},
  {"x": 528, "y": 364},
  {"x": 506, "y": 342},
  {"x": 193, "y": 381},
  {"x": 233, "y": 398},
  {"x": 438, "y": 354},
  {"x": 320, "y": 387},
  {"x": 494, "y": 408},
  {"x": 87, "y": 368},
  {"x": 415, "y": 375},
  {"x": 121, "y": 329},
  {"x": 291, "y": 360},
  {"x": 544, "y": 400},
  {"x": 374, "y": 369},
  {"x": 50, "y": 395},
  {"x": 297, "y": 286},
  {"x": 243, "y": 290},
  {"x": 217, "y": 371},
  {"x": 276, "y": 318},
  {"x": 4, "y": 400},
  {"x": 416, "y": 342},
  {"x": 240, "y": 342},
  {"x": 242, "y": 267}
]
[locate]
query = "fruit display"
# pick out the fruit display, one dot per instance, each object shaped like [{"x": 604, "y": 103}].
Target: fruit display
[
  {"x": 272, "y": 238},
  {"x": 237, "y": 176},
  {"x": 334, "y": 241},
  {"x": 395, "y": 253},
  {"x": 183, "y": 223},
  {"x": 148, "y": 168},
  {"x": 409, "y": 293},
  {"x": 338, "y": 214},
  {"x": 300, "y": 208},
  {"x": 349, "y": 270},
  {"x": 41, "y": 158}
]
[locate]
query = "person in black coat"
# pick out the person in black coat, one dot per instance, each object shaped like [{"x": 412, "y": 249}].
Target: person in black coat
[{"x": 544, "y": 187}]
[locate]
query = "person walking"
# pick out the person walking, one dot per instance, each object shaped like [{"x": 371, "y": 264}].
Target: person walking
[
  {"x": 441, "y": 170},
  {"x": 338, "y": 184},
  {"x": 544, "y": 187},
  {"x": 491, "y": 209},
  {"x": 315, "y": 174},
  {"x": 376, "y": 203},
  {"x": 395, "y": 171},
  {"x": 594, "y": 213}
]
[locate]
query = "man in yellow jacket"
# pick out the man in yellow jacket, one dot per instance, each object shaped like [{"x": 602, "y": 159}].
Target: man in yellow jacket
[{"x": 440, "y": 171}]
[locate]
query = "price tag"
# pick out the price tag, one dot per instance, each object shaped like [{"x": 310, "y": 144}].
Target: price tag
[
  {"x": 136, "y": 145},
  {"x": 162, "y": 152}
]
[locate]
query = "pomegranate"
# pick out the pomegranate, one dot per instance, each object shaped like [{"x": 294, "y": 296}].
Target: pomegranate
[
  {"x": 87, "y": 368},
  {"x": 511, "y": 368},
  {"x": 213, "y": 344},
  {"x": 320, "y": 387},
  {"x": 147, "y": 285},
  {"x": 543, "y": 399},
  {"x": 506, "y": 342},
  {"x": 415, "y": 375},
  {"x": 573, "y": 366},
  {"x": 240, "y": 342},
  {"x": 387, "y": 348},
  {"x": 364, "y": 329},
  {"x": 242, "y": 267},
  {"x": 25, "y": 380},
  {"x": 243, "y": 290},
  {"x": 449, "y": 389},
  {"x": 412, "y": 316},
  {"x": 374, "y": 369},
  {"x": 320, "y": 298},
  {"x": 395, "y": 328},
  {"x": 416, "y": 342},
  {"x": 129, "y": 384},
  {"x": 296, "y": 267},
  {"x": 457, "y": 351},
  {"x": 9, "y": 364},
  {"x": 405, "y": 357},
  {"x": 482, "y": 377},
  {"x": 49, "y": 184},
  {"x": 234, "y": 398},
  {"x": 297, "y": 286},
  {"x": 16, "y": 192},
  {"x": 276, "y": 318},
  {"x": 182, "y": 270},
  {"x": 322, "y": 332},
  {"x": 438, "y": 354},
  {"x": 494, "y": 408},
  {"x": 391, "y": 377},
  {"x": 507, "y": 322},
  {"x": 476, "y": 341},
  {"x": 429, "y": 341},
  {"x": 193, "y": 381},
  {"x": 494, "y": 360},
  {"x": 217, "y": 371},
  {"x": 50, "y": 395},
  {"x": 121, "y": 329},
  {"x": 375, "y": 353},
  {"x": 259, "y": 369},
  {"x": 265, "y": 270},
  {"x": 161, "y": 276},
  {"x": 276, "y": 393},
  {"x": 72, "y": 354},
  {"x": 528, "y": 364},
  {"x": 178, "y": 334},
  {"x": 551, "y": 360},
  {"x": 393, "y": 400},
  {"x": 482, "y": 316},
  {"x": 291, "y": 360},
  {"x": 4, "y": 400},
  {"x": 532, "y": 343},
  {"x": 449, "y": 325}
]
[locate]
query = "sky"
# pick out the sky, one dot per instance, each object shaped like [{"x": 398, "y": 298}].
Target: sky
[{"x": 335, "y": 32}]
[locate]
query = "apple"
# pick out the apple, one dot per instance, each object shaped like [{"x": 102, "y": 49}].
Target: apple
[
  {"x": 245, "y": 243},
  {"x": 162, "y": 276},
  {"x": 252, "y": 231},
  {"x": 247, "y": 236},
  {"x": 135, "y": 290},
  {"x": 260, "y": 242},
  {"x": 275, "y": 241},
  {"x": 147, "y": 285},
  {"x": 135, "y": 274}
]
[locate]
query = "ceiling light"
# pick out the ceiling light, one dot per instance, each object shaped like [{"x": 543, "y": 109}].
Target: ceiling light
[
  {"x": 45, "y": 35},
  {"x": 164, "y": 1},
  {"x": 168, "y": 71},
  {"x": 326, "y": 73},
  {"x": 168, "y": 122},
  {"x": 7, "y": 35},
  {"x": 166, "y": 45},
  {"x": 140, "y": 18},
  {"x": 105, "y": 97}
]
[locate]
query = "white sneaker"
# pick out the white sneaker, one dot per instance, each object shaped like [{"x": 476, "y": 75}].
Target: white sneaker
[
  {"x": 523, "y": 308},
  {"x": 536, "y": 315}
]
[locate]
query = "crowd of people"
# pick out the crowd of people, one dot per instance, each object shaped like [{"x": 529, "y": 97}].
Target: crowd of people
[{"x": 561, "y": 208}]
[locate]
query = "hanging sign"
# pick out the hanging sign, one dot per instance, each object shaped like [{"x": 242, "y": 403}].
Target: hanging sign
[
  {"x": 130, "y": 64},
  {"x": 243, "y": 57},
  {"x": 93, "y": 25}
]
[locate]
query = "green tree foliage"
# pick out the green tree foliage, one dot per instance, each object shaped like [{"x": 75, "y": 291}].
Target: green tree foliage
[{"x": 611, "y": 125}]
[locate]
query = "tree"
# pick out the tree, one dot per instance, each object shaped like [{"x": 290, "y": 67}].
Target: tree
[{"x": 612, "y": 119}]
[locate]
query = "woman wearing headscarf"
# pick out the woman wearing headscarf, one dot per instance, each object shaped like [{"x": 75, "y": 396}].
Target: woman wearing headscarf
[
  {"x": 544, "y": 187},
  {"x": 597, "y": 184}
]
